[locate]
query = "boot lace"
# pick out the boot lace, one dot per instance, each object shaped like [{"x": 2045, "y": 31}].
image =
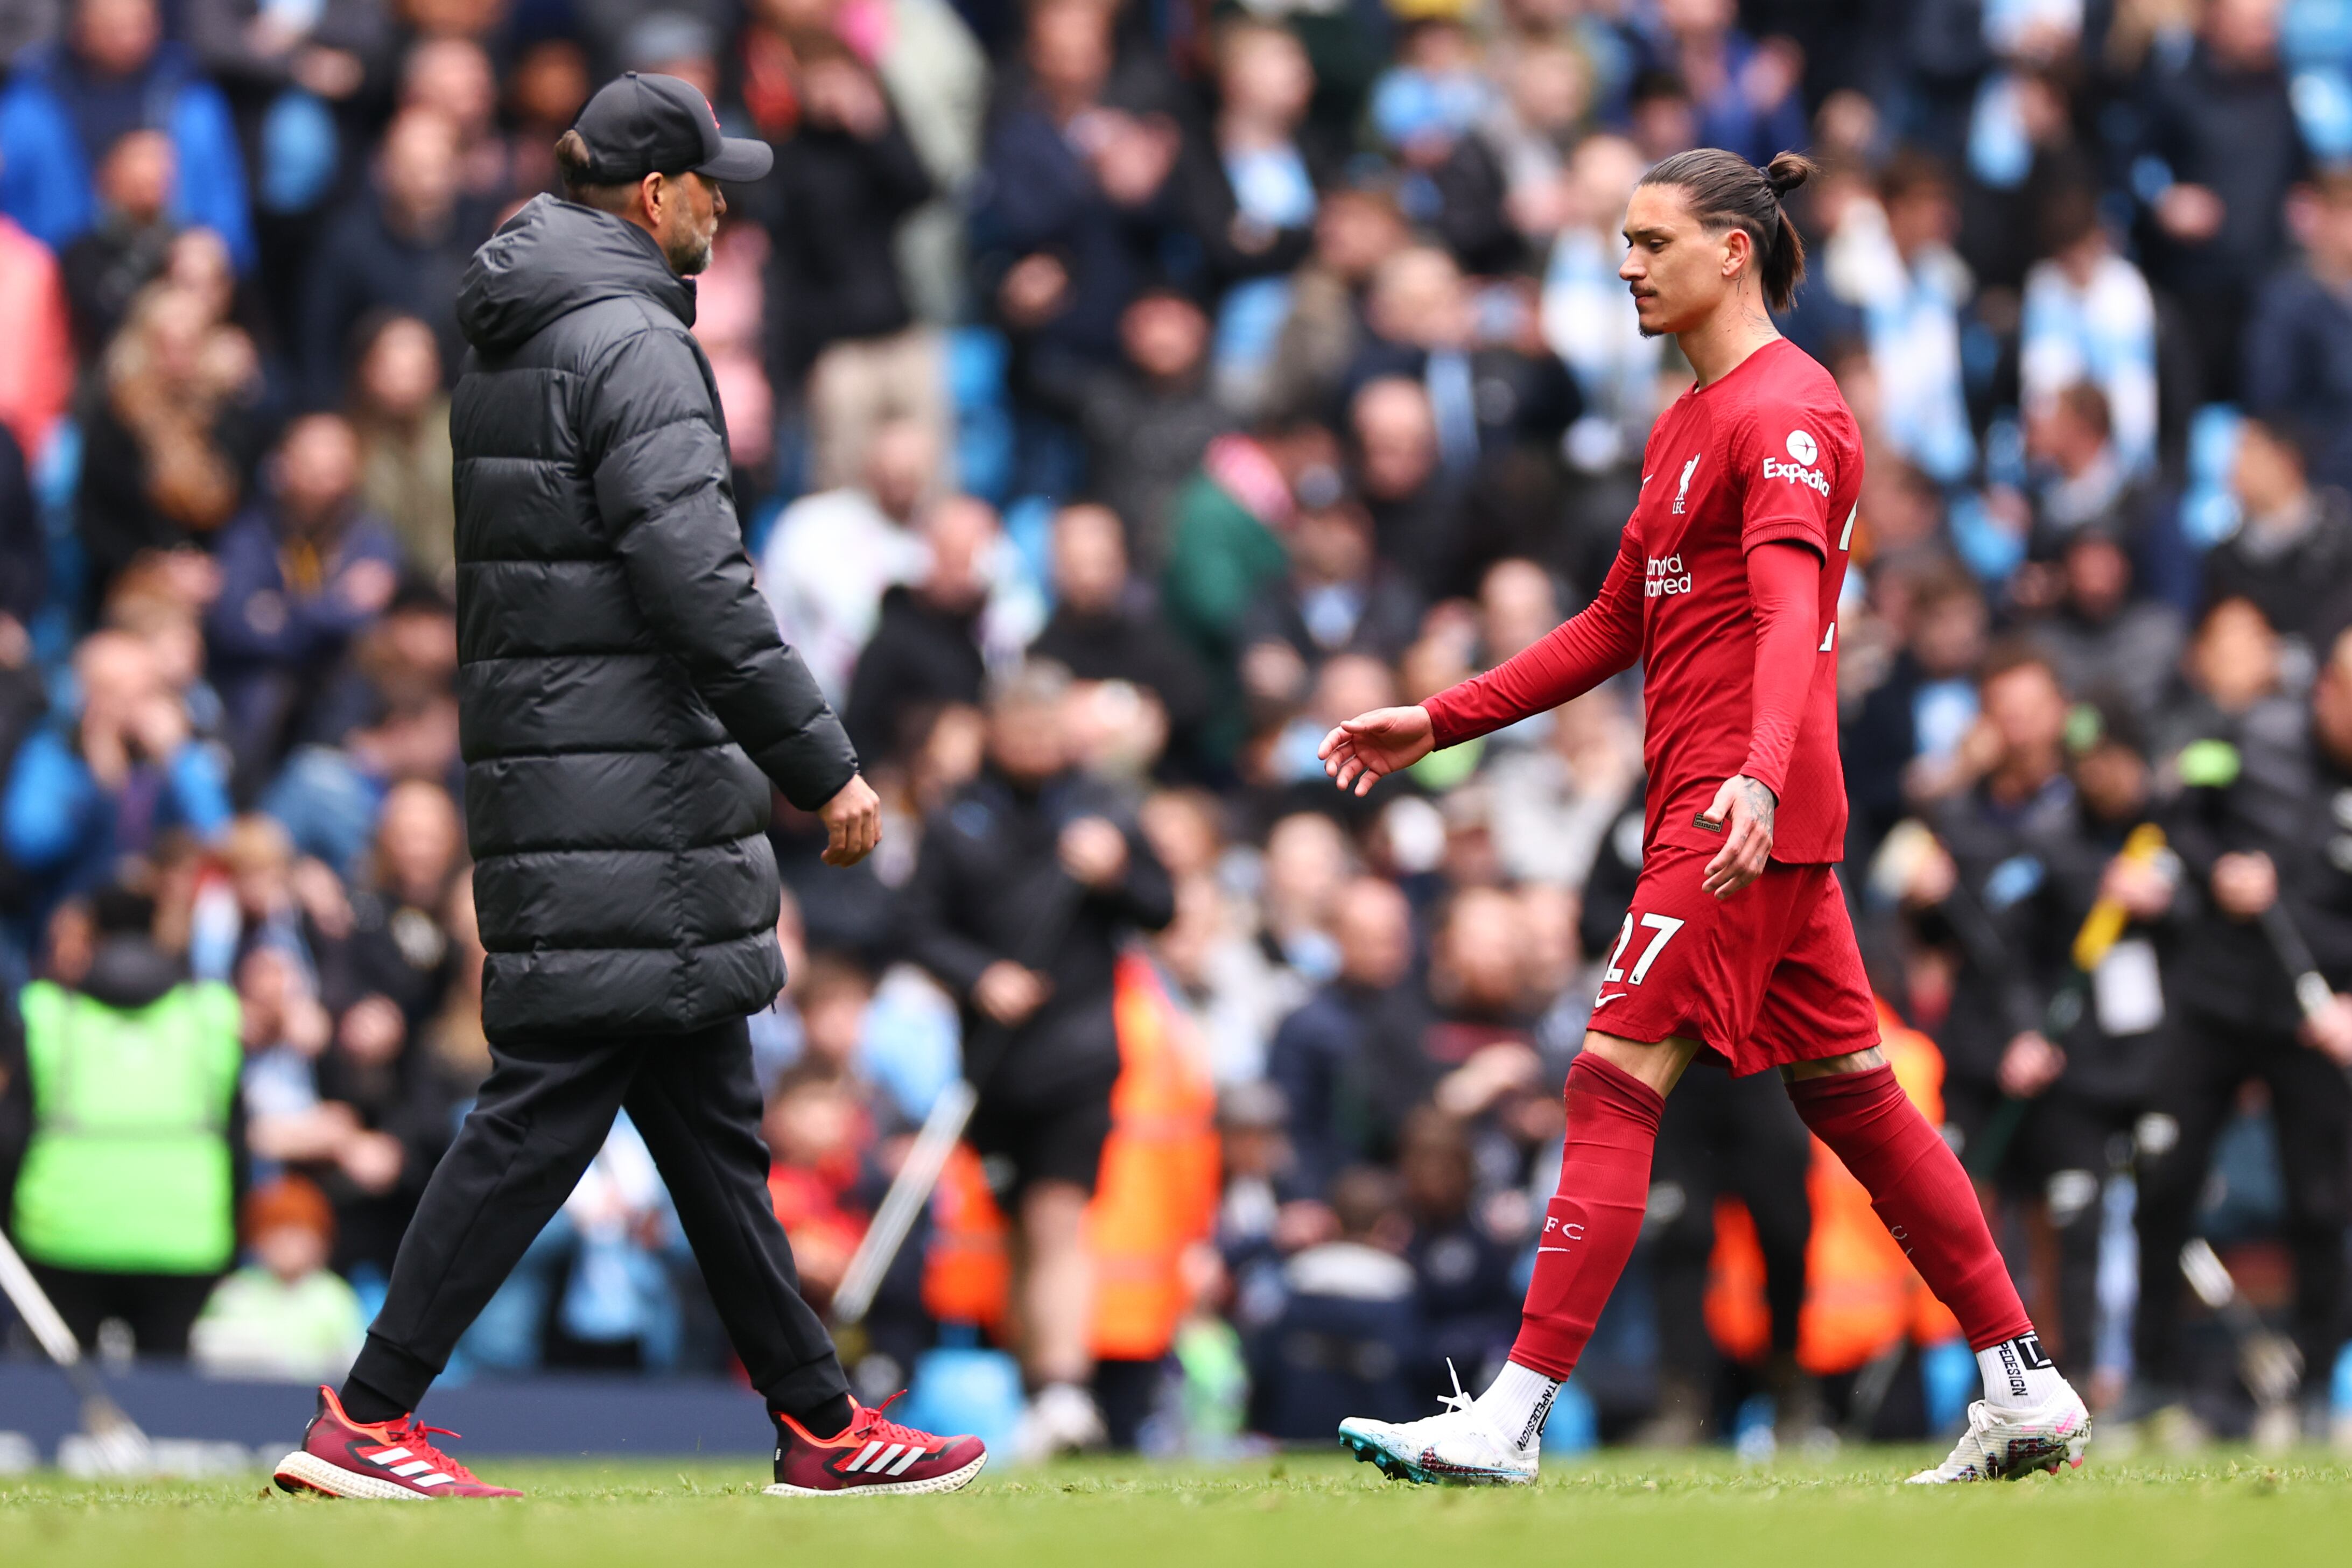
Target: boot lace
[
  {"x": 410, "y": 1435},
  {"x": 870, "y": 1422},
  {"x": 1457, "y": 1400}
]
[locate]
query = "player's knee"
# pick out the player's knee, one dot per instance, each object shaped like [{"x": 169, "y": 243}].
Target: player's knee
[
  {"x": 1832, "y": 1066},
  {"x": 1658, "y": 1063}
]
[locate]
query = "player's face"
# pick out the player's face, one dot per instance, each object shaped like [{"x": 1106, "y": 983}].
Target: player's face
[{"x": 1679, "y": 273}]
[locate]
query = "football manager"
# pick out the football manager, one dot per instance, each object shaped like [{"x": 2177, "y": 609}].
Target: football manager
[{"x": 626, "y": 708}]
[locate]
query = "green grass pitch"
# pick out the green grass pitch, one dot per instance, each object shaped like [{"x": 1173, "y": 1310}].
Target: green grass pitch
[{"x": 1653, "y": 1510}]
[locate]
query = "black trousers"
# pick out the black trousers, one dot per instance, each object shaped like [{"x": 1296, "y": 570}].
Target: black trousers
[
  {"x": 1739, "y": 1137},
  {"x": 158, "y": 1309},
  {"x": 2199, "y": 1073},
  {"x": 541, "y": 1117}
]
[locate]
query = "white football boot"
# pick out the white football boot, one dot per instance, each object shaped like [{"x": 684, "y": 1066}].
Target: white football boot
[
  {"x": 2001, "y": 1445},
  {"x": 1456, "y": 1448}
]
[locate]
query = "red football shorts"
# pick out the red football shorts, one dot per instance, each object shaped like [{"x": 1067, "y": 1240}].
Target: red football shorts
[{"x": 1765, "y": 977}]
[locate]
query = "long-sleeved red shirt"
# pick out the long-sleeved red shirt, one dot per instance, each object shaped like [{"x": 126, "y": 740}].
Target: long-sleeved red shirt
[{"x": 1725, "y": 587}]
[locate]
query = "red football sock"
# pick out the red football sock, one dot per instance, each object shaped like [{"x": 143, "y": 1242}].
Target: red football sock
[
  {"x": 1591, "y": 1222},
  {"x": 1920, "y": 1192}
]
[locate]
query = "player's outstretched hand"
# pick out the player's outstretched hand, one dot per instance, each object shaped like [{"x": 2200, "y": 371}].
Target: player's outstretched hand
[
  {"x": 853, "y": 822},
  {"x": 1372, "y": 744},
  {"x": 1743, "y": 811}
]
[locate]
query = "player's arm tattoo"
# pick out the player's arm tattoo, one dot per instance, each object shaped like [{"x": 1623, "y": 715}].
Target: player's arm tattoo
[{"x": 1761, "y": 802}]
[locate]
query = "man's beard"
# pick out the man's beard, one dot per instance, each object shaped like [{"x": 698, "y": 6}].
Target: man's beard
[
  {"x": 1646, "y": 331},
  {"x": 690, "y": 255}
]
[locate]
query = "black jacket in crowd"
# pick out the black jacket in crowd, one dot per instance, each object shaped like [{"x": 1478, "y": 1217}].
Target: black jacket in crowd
[
  {"x": 2023, "y": 875},
  {"x": 1144, "y": 438},
  {"x": 364, "y": 264},
  {"x": 2297, "y": 353},
  {"x": 624, "y": 701},
  {"x": 921, "y": 656},
  {"x": 2263, "y": 783},
  {"x": 2298, "y": 585},
  {"x": 833, "y": 205},
  {"x": 989, "y": 884},
  {"x": 1132, "y": 644},
  {"x": 1353, "y": 1064},
  {"x": 2234, "y": 133}
]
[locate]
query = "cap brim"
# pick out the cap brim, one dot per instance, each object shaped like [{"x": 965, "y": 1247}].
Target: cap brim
[{"x": 740, "y": 159}]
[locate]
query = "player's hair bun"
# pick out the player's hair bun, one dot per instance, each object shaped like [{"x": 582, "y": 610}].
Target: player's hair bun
[
  {"x": 1723, "y": 189},
  {"x": 1788, "y": 171}
]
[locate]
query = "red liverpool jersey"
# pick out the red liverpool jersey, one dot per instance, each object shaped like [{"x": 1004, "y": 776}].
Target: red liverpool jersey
[{"x": 1768, "y": 453}]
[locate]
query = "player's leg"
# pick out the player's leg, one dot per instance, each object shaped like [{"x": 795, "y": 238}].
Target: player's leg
[
  {"x": 1616, "y": 1090},
  {"x": 2030, "y": 1418},
  {"x": 1686, "y": 966},
  {"x": 1819, "y": 1022},
  {"x": 696, "y": 1102}
]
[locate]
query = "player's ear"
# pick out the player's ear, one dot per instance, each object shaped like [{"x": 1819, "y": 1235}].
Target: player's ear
[{"x": 1739, "y": 250}]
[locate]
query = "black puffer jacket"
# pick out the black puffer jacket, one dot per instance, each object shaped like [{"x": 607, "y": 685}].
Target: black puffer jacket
[{"x": 616, "y": 663}]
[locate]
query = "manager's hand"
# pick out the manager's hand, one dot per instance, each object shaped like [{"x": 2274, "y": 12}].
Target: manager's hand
[{"x": 853, "y": 822}]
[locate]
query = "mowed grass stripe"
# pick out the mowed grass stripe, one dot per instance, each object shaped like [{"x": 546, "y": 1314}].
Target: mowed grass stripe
[{"x": 1620, "y": 1508}]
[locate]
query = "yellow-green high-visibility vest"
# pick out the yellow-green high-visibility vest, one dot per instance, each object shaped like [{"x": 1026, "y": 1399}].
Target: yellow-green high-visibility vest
[{"x": 127, "y": 1170}]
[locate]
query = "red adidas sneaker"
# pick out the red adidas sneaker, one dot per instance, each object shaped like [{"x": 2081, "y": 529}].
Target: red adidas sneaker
[
  {"x": 874, "y": 1456},
  {"x": 391, "y": 1461}
]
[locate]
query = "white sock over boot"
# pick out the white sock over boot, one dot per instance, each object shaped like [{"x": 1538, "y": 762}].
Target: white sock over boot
[
  {"x": 1517, "y": 1403},
  {"x": 2017, "y": 1375}
]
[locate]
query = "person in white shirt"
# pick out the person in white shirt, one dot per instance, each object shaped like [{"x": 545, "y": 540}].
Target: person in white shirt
[{"x": 833, "y": 554}]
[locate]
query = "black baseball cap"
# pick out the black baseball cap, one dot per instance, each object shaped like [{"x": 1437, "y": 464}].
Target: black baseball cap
[{"x": 641, "y": 125}]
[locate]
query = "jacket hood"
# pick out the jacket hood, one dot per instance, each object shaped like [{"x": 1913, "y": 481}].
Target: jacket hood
[
  {"x": 553, "y": 257},
  {"x": 130, "y": 972}
]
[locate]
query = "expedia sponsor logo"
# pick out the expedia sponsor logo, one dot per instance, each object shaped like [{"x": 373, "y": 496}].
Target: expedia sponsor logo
[
  {"x": 1796, "y": 472},
  {"x": 1666, "y": 575}
]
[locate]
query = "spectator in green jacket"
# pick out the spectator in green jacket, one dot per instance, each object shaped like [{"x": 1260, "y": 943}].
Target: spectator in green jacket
[{"x": 124, "y": 1205}]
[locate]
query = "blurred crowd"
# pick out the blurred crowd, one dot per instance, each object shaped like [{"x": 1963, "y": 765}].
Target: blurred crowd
[{"x": 1119, "y": 395}]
